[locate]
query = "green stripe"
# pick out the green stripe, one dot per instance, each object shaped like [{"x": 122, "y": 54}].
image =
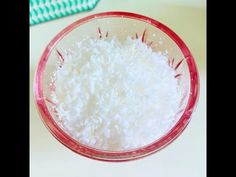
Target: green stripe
[
  {"x": 31, "y": 3},
  {"x": 35, "y": 12},
  {"x": 36, "y": 2},
  {"x": 52, "y": 7},
  {"x": 47, "y": 9},
  {"x": 76, "y": 3},
  {"x": 70, "y": 3},
  {"x": 41, "y": 10},
  {"x": 64, "y": 4},
  {"x": 58, "y": 6}
]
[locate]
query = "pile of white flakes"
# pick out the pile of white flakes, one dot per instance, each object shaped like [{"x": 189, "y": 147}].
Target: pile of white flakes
[{"x": 114, "y": 95}]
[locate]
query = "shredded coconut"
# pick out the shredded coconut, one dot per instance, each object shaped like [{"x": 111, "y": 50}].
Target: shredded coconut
[{"x": 114, "y": 95}]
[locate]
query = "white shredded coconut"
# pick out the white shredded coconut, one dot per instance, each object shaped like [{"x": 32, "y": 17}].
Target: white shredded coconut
[{"x": 114, "y": 95}]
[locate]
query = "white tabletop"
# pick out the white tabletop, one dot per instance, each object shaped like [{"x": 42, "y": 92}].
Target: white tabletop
[{"x": 185, "y": 157}]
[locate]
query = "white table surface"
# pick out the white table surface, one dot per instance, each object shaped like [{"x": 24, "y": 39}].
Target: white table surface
[{"x": 185, "y": 157}]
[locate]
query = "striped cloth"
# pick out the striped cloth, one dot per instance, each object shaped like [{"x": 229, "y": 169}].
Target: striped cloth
[{"x": 45, "y": 10}]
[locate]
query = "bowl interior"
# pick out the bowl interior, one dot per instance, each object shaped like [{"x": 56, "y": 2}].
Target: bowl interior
[{"x": 159, "y": 37}]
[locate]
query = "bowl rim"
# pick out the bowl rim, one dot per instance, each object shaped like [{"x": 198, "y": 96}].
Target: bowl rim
[{"x": 117, "y": 156}]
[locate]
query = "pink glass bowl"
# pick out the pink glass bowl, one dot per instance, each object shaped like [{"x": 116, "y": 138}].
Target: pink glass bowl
[{"x": 121, "y": 25}]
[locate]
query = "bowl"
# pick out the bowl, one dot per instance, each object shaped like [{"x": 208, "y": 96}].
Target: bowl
[{"x": 121, "y": 25}]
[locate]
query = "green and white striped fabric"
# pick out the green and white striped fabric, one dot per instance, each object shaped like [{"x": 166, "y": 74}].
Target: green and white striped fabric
[{"x": 45, "y": 10}]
